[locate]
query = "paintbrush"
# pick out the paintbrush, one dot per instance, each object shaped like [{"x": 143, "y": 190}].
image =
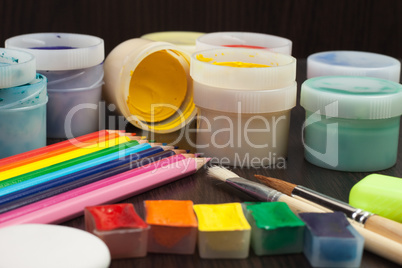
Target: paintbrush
[
  {"x": 372, "y": 222},
  {"x": 373, "y": 242}
]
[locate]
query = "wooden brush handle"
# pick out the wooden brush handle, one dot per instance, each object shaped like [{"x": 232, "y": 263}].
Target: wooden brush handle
[{"x": 385, "y": 227}]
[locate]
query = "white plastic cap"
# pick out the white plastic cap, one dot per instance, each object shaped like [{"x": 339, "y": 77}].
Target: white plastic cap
[
  {"x": 355, "y": 63},
  {"x": 182, "y": 39},
  {"x": 258, "y": 40},
  {"x": 281, "y": 73},
  {"x": 356, "y": 97},
  {"x": 245, "y": 101},
  {"x": 60, "y": 51},
  {"x": 16, "y": 68}
]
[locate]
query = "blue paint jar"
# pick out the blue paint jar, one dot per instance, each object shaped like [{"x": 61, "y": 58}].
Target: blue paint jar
[
  {"x": 23, "y": 117},
  {"x": 73, "y": 65},
  {"x": 352, "y": 122}
]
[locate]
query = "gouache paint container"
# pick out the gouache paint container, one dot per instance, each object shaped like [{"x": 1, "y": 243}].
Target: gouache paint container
[
  {"x": 120, "y": 227},
  {"x": 16, "y": 68},
  {"x": 244, "y": 98},
  {"x": 223, "y": 231},
  {"x": 352, "y": 123},
  {"x": 354, "y": 63},
  {"x": 244, "y": 40},
  {"x": 23, "y": 117},
  {"x": 182, "y": 39},
  {"x": 149, "y": 83},
  {"x": 73, "y": 65},
  {"x": 173, "y": 225},
  {"x": 330, "y": 240}
]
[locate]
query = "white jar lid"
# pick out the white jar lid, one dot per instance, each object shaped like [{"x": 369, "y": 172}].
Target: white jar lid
[
  {"x": 355, "y": 63},
  {"x": 244, "y": 39},
  {"x": 355, "y": 97},
  {"x": 245, "y": 101},
  {"x": 60, "y": 51},
  {"x": 16, "y": 67},
  {"x": 47, "y": 245},
  {"x": 182, "y": 39},
  {"x": 281, "y": 73}
]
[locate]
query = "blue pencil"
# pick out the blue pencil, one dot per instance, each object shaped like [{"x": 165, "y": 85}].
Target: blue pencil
[{"x": 84, "y": 181}]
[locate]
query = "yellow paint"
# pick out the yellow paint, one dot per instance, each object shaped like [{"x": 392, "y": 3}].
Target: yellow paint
[
  {"x": 237, "y": 64},
  {"x": 221, "y": 217},
  {"x": 62, "y": 157},
  {"x": 158, "y": 79},
  {"x": 240, "y": 64}
]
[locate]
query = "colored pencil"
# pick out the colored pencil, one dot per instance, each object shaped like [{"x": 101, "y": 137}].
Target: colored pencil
[
  {"x": 374, "y": 242},
  {"x": 51, "y": 147},
  {"x": 50, "y": 153},
  {"x": 383, "y": 226},
  {"x": 61, "y": 158},
  {"x": 71, "y": 166},
  {"x": 82, "y": 181},
  {"x": 40, "y": 187},
  {"x": 72, "y": 203}
]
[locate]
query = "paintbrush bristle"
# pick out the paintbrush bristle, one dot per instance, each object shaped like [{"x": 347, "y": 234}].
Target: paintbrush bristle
[
  {"x": 279, "y": 185},
  {"x": 221, "y": 173}
]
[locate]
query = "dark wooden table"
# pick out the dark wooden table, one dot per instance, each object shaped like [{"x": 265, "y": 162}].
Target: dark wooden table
[{"x": 201, "y": 189}]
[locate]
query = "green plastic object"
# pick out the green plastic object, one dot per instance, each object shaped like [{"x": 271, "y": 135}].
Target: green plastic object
[{"x": 379, "y": 194}]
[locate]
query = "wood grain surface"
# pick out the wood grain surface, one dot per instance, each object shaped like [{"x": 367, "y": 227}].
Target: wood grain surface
[{"x": 312, "y": 25}]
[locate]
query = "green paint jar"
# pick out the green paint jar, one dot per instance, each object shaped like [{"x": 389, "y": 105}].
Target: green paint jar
[{"x": 352, "y": 123}]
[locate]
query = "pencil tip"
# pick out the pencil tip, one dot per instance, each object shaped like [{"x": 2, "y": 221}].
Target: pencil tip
[{"x": 279, "y": 185}]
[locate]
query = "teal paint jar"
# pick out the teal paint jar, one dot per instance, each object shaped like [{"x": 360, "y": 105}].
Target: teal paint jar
[
  {"x": 352, "y": 123},
  {"x": 23, "y": 117}
]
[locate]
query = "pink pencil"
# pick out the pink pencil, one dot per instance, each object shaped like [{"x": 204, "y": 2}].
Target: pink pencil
[{"x": 71, "y": 204}]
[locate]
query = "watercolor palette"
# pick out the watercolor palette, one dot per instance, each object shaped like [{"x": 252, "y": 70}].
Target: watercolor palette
[
  {"x": 275, "y": 228},
  {"x": 223, "y": 231},
  {"x": 330, "y": 241},
  {"x": 120, "y": 227},
  {"x": 173, "y": 226}
]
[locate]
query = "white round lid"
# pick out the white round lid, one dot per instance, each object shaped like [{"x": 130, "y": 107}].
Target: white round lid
[
  {"x": 60, "y": 51},
  {"x": 245, "y": 40},
  {"x": 355, "y": 63},
  {"x": 352, "y": 97},
  {"x": 46, "y": 245},
  {"x": 16, "y": 67}
]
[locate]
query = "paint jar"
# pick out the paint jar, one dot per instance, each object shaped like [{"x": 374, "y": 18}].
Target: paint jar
[
  {"x": 354, "y": 63},
  {"x": 243, "y": 113},
  {"x": 73, "y": 65},
  {"x": 16, "y": 68},
  {"x": 331, "y": 241},
  {"x": 244, "y": 40},
  {"x": 275, "y": 229},
  {"x": 120, "y": 227},
  {"x": 23, "y": 117},
  {"x": 223, "y": 231},
  {"x": 173, "y": 225},
  {"x": 182, "y": 39},
  {"x": 352, "y": 122},
  {"x": 149, "y": 83}
]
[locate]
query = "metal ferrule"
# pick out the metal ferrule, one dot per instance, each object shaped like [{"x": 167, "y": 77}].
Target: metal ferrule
[{"x": 254, "y": 189}]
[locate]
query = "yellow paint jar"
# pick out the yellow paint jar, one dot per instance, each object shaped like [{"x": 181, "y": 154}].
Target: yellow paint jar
[
  {"x": 244, "y": 99},
  {"x": 150, "y": 84}
]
